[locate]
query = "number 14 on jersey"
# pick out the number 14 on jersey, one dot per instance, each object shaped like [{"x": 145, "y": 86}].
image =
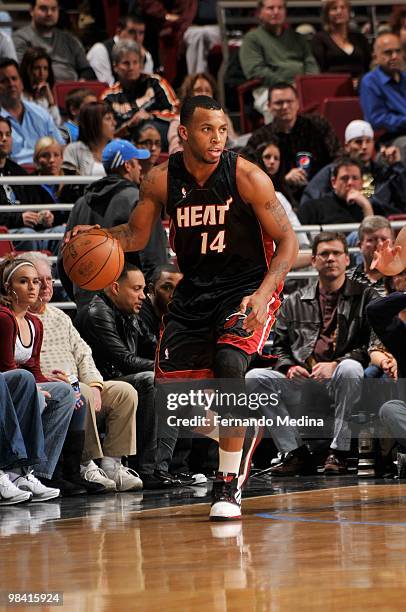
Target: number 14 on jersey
[{"x": 217, "y": 244}]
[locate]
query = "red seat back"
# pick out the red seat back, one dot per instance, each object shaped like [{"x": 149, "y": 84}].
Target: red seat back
[
  {"x": 313, "y": 88},
  {"x": 340, "y": 111},
  {"x": 62, "y": 88},
  {"x": 6, "y": 246}
]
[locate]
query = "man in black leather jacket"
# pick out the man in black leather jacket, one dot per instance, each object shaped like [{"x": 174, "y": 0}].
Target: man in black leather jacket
[
  {"x": 321, "y": 336},
  {"x": 110, "y": 325}
]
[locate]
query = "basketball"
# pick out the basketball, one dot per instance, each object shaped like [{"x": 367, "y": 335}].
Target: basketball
[{"x": 93, "y": 259}]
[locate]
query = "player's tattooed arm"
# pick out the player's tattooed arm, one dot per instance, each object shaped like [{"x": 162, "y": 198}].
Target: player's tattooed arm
[
  {"x": 276, "y": 209},
  {"x": 134, "y": 235}
]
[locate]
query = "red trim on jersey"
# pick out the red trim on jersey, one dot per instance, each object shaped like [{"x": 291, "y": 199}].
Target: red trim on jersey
[
  {"x": 190, "y": 374},
  {"x": 172, "y": 235}
]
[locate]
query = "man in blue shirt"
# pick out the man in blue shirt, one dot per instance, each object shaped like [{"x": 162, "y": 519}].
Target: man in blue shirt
[
  {"x": 29, "y": 121},
  {"x": 383, "y": 90}
]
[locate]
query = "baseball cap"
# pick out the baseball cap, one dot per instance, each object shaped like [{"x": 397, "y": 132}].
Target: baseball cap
[
  {"x": 119, "y": 151},
  {"x": 358, "y": 129}
]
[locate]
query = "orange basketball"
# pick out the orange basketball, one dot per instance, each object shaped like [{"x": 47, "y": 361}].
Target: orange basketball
[{"x": 93, "y": 259}]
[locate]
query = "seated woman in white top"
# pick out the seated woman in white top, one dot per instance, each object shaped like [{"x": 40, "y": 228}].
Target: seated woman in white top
[{"x": 96, "y": 129}]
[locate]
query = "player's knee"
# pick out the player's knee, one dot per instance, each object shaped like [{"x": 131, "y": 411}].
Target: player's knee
[{"x": 230, "y": 363}]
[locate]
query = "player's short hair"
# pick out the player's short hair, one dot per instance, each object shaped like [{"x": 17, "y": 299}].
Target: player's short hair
[
  {"x": 191, "y": 104},
  {"x": 372, "y": 224},
  {"x": 156, "y": 274},
  {"x": 345, "y": 161},
  {"x": 329, "y": 237}
]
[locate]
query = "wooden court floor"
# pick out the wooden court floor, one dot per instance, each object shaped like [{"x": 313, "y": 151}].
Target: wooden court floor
[{"x": 331, "y": 549}]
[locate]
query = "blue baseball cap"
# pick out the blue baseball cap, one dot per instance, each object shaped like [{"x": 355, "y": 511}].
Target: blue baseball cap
[{"x": 119, "y": 151}]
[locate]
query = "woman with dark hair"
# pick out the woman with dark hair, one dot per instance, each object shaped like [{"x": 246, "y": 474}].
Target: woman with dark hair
[
  {"x": 336, "y": 48},
  {"x": 38, "y": 79},
  {"x": 96, "y": 129},
  {"x": 199, "y": 84},
  {"x": 269, "y": 159},
  {"x": 146, "y": 136}
]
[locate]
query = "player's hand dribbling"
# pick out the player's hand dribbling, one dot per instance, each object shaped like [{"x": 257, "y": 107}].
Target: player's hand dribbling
[
  {"x": 78, "y": 229},
  {"x": 257, "y": 317}
]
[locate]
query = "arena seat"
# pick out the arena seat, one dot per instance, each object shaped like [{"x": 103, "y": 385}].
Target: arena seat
[
  {"x": 246, "y": 105},
  {"x": 62, "y": 88},
  {"x": 340, "y": 111},
  {"x": 6, "y": 246},
  {"x": 312, "y": 89}
]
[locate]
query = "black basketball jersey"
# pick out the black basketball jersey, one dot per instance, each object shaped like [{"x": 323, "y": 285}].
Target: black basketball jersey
[{"x": 216, "y": 236}]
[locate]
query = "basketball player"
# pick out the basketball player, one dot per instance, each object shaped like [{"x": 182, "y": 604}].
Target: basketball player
[{"x": 224, "y": 221}]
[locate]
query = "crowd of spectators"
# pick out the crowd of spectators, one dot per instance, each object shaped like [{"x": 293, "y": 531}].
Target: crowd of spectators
[{"x": 346, "y": 325}]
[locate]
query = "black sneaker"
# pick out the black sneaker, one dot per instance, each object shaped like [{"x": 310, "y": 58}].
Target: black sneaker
[
  {"x": 253, "y": 437},
  {"x": 189, "y": 478},
  {"x": 226, "y": 498}
]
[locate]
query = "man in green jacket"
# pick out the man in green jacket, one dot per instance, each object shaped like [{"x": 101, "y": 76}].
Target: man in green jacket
[{"x": 274, "y": 52}]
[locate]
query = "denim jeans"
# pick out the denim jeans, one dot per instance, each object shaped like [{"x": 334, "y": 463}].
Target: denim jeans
[
  {"x": 21, "y": 434},
  {"x": 38, "y": 245},
  {"x": 56, "y": 414}
]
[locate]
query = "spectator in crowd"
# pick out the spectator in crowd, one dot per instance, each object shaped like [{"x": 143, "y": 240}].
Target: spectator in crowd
[
  {"x": 21, "y": 335},
  {"x": 383, "y": 90},
  {"x": 387, "y": 317},
  {"x": 67, "y": 52},
  {"x": 113, "y": 403},
  {"x": 346, "y": 204},
  {"x": 198, "y": 84},
  {"x": 398, "y": 27},
  {"x": 296, "y": 134},
  {"x": 373, "y": 231},
  {"x": 321, "y": 336},
  {"x": 201, "y": 36},
  {"x": 21, "y": 440},
  {"x": 383, "y": 178},
  {"x": 137, "y": 96},
  {"x": 38, "y": 79},
  {"x": 48, "y": 158},
  {"x": 96, "y": 128},
  {"x": 110, "y": 326},
  {"x": 336, "y": 48},
  {"x": 161, "y": 286},
  {"x": 74, "y": 101},
  {"x": 109, "y": 202},
  {"x": 270, "y": 161},
  {"x": 7, "y": 48},
  {"x": 129, "y": 27},
  {"x": 146, "y": 136},
  {"x": 28, "y": 120},
  {"x": 27, "y": 222},
  {"x": 273, "y": 52},
  {"x": 167, "y": 21}
]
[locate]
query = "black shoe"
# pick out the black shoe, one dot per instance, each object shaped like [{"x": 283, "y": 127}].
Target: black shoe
[
  {"x": 92, "y": 488},
  {"x": 158, "y": 481},
  {"x": 163, "y": 475},
  {"x": 68, "y": 489},
  {"x": 185, "y": 478},
  {"x": 226, "y": 498},
  {"x": 297, "y": 462}
]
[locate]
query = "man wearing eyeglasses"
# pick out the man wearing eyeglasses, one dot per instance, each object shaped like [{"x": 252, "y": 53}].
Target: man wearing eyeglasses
[
  {"x": 321, "y": 342},
  {"x": 129, "y": 27}
]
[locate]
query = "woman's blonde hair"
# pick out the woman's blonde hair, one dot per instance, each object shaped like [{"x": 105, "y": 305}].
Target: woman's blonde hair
[{"x": 44, "y": 143}]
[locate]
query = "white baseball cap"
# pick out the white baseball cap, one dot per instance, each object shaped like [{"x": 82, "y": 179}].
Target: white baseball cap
[{"x": 358, "y": 129}]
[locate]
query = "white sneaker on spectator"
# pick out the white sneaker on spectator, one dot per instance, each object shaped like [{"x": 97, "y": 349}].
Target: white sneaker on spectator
[
  {"x": 125, "y": 478},
  {"x": 40, "y": 492},
  {"x": 9, "y": 493},
  {"x": 92, "y": 473}
]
